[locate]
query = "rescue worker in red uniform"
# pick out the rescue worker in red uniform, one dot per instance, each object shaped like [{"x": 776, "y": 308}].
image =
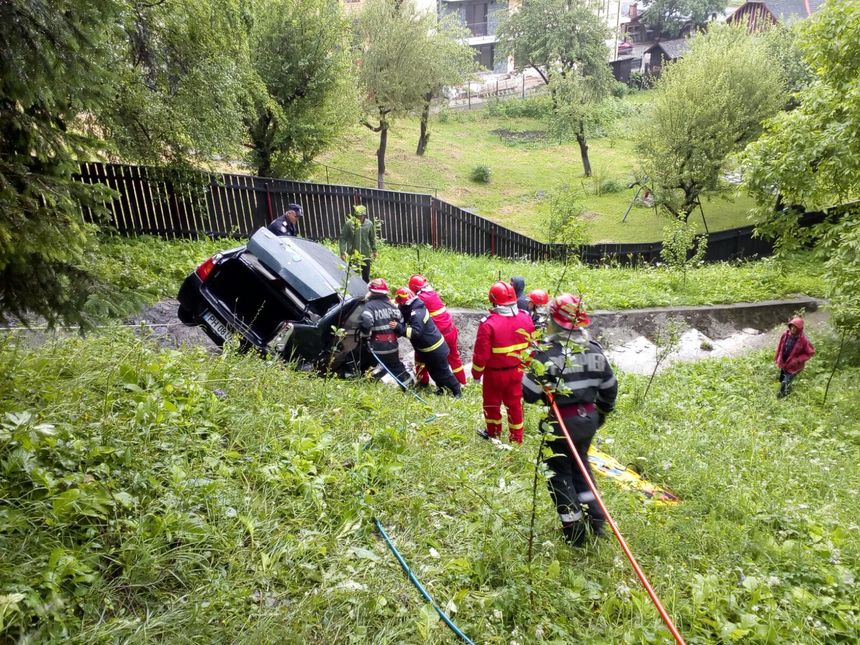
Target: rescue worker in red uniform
[
  {"x": 428, "y": 343},
  {"x": 420, "y": 286},
  {"x": 502, "y": 337},
  {"x": 538, "y": 300}
]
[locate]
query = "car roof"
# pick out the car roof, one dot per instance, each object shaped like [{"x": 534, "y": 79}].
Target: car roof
[{"x": 309, "y": 268}]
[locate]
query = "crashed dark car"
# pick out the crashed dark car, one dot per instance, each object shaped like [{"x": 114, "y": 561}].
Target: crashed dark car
[{"x": 282, "y": 296}]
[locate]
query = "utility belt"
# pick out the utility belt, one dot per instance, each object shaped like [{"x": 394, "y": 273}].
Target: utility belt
[
  {"x": 384, "y": 337},
  {"x": 580, "y": 409}
]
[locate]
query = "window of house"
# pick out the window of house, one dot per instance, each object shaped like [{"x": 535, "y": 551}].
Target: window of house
[{"x": 476, "y": 18}]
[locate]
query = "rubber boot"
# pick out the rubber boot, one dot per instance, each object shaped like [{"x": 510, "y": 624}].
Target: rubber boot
[{"x": 574, "y": 533}]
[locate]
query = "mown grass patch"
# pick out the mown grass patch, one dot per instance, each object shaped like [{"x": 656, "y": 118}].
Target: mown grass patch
[
  {"x": 156, "y": 494},
  {"x": 526, "y": 163},
  {"x": 156, "y": 268}
]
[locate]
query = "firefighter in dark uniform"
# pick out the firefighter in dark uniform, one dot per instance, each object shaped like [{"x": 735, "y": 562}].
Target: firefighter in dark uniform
[
  {"x": 503, "y": 336},
  {"x": 429, "y": 345},
  {"x": 578, "y": 374},
  {"x": 379, "y": 319}
]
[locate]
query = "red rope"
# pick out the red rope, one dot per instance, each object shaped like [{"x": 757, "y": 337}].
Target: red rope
[{"x": 644, "y": 580}]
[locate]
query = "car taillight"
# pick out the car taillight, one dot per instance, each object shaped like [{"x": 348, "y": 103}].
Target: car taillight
[{"x": 205, "y": 269}]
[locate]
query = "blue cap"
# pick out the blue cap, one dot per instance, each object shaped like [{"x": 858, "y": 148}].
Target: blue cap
[{"x": 297, "y": 208}]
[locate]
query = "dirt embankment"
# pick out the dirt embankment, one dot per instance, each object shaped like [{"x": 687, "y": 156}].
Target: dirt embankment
[{"x": 628, "y": 336}]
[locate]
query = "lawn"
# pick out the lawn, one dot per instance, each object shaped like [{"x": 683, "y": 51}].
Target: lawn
[{"x": 526, "y": 165}]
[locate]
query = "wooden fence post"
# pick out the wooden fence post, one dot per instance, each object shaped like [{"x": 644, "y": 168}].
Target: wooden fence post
[
  {"x": 433, "y": 237},
  {"x": 269, "y": 201}
]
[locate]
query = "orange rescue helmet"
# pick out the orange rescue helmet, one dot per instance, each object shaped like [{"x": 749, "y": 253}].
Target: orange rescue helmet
[
  {"x": 503, "y": 294},
  {"x": 568, "y": 312}
]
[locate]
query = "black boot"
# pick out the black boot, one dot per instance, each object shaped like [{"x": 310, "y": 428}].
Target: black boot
[{"x": 574, "y": 533}]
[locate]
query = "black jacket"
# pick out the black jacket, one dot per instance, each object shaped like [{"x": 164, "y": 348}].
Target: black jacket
[
  {"x": 519, "y": 285},
  {"x": 280, "y": 226},
  {"x": 576, "y": 371},
  {"x": 420, "y": 329},
  {"x": 378, "y": 312}
]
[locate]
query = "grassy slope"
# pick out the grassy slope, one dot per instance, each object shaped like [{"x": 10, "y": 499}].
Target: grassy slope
[
  {"x": 159, "y": 511},
  {"x": 156, "y": 268},
  {"x": 522, "y": 173}
]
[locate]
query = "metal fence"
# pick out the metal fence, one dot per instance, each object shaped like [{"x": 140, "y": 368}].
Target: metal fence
[{"x": 151, "y": 201}]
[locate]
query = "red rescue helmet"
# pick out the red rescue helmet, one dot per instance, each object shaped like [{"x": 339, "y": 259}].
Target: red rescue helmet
[
  {"x": 417, "y": 282},
  {"x": 502, "y": 293},
  {"x": 378, "y": 285},
  {"x": 567, "y": 312},
  {"x": 538, "y": 297},
  {"x": 403, "y": 296}
]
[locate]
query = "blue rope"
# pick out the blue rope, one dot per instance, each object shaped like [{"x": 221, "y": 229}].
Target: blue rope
[{"x": 419, "y": 586}]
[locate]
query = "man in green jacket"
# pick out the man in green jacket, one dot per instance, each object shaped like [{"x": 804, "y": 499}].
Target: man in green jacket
[{"x": 358, "y": 234}]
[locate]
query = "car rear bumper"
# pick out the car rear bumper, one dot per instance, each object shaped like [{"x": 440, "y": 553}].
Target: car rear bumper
[{"x": 198, "y": 305}]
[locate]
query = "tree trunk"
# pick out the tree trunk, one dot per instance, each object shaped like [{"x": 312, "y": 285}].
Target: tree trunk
[
  {"x": 380, "y": 154},
  {"x": 833, "y": 371},
  {"x": 583, "y": 149},
  {"x": 424, "y": 135}
]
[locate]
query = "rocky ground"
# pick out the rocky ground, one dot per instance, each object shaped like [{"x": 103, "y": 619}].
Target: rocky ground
[{"x": 628, "y": 337}]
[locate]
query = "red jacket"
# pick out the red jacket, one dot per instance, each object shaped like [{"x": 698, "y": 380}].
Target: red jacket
[
  {"x": 437, "y": 309},
  {"x": 800, "y": 353},
  {"x": 500, "y": 341}
]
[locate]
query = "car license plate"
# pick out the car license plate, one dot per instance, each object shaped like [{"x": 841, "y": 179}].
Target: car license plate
[{"x": 216, "y": 325}]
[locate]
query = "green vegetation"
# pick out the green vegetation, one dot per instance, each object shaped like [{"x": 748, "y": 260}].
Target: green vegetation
[
  {"x": 163, "y": 495},
  {"x": 708, "y": 106},
  {"x": 527, "y": 164},
  {"x": 564, "y": 41},
  {"x": 805, "y": 160},
  {"x": 155, "y": 269}
]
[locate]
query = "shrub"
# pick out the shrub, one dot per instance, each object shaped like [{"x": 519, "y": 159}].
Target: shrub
[
  {"x": 480, "y": 174},
  {"x": 564, "y": 223},
  {"x": 533, "y": 107}
]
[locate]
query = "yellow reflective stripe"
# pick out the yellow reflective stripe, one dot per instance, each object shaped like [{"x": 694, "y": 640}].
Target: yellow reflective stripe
[
  {"x": 509, "y": 348},
  {"x": 409, "y": 332},
  {"x": 426, "y": 316},
  {"x": 477, "y": 368},
  {"x": 515, "y": 426},
  {"x": 493, "y": 421},
  {"x": 459, "y": 369},
  {"x": 435, "y": 345},
  {"x": 438, "y": 311}
]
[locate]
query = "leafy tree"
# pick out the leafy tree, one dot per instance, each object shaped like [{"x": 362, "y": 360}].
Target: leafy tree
[
  {"x": 810, "y": 158},
  {"x": 182, "y": 71},
  {"x": 393, "y": 49},
  {"x": 450, "y": 61},
  {"x": 783, "y": 47},
  {"x": 708, "y": 105},
  {"x": 51, "y": 71},
  {"x": 564, "y": 41},
  {"x": 299, "y": 49},
  {"x": 669, "y": 17}
]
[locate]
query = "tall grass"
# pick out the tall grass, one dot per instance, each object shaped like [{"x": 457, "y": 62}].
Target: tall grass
[
  {"x": 157, "y": 268},
  {"x": 174, "y": 495}
]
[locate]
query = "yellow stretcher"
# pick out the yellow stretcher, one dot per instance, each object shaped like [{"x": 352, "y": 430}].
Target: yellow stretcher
[{"x": 608, "y": 466}]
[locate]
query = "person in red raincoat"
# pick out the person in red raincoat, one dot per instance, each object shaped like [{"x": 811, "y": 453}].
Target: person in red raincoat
[
  {"x": 420, "y": 286},
  {"x": 502, "y": 337},
  {"x": 792, "y": 352}
]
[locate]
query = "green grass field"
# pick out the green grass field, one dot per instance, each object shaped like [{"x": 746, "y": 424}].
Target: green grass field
[{"x": 525, "y": 165}]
